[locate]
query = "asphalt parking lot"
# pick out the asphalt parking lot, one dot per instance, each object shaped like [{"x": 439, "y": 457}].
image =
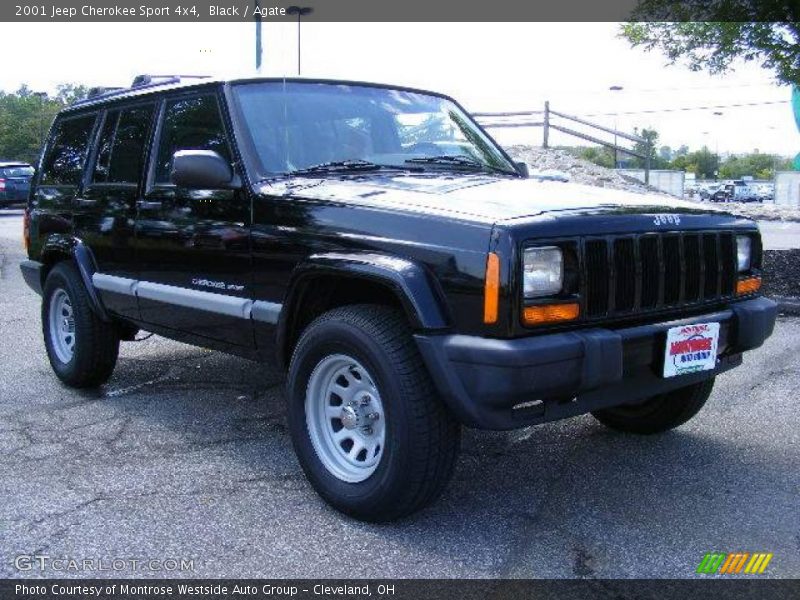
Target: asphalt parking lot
[{"x": 185, "y": 455}]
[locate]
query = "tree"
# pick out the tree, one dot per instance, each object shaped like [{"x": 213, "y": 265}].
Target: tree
[
  {"x": 705, "y": 163},
  {"x": 25, "y": 117},
  {"x": 712, "y": 35},
  {"x": 755, "y": 164},
  {"x": 647, "y": 147},
  {"x": 68, "y": 93},
  {"x": 599, "y": 155}
]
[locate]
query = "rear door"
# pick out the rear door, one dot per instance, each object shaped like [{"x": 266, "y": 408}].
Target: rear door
[
  {"x": 60, "y": 178},
  {"x": 193, "y": 246},
  {"x": 105, "y": 212}
]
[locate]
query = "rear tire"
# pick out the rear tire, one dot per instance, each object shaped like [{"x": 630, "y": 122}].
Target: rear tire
[
  {"x": 659, "y": 413},
  {"x": 389, "y": 407},
  {"x": 82, "y": 348}
]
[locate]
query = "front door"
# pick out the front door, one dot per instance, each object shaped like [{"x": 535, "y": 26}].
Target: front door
[{"x": 193, "y": 246}]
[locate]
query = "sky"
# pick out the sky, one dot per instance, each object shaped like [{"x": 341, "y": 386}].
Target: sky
[{"x": 486, "y": 66}]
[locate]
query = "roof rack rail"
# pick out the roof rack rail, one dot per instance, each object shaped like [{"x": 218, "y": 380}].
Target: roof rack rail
[
  {"x": 139, "y": 82},
  {"x": 94, "y": 92},
  {"x": 147, "y": 80}
]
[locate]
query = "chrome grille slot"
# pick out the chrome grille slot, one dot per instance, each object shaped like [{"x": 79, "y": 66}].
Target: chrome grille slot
[{"x": 631, "y": 274}]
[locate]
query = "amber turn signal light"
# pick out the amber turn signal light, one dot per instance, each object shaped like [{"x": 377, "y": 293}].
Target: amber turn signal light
[
  {"x": 26, "y": 230},
  {"x": 491, "y": 293},
  {"x": 748, "y": 286},
  {"x": 550, "y": 313}
]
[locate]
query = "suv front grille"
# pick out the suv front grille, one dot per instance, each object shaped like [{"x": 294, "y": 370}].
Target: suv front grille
[{"x": 631, "y": 274}]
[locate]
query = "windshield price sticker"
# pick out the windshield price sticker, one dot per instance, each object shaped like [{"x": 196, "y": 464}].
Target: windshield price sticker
[{"x": 691, "y": 348}]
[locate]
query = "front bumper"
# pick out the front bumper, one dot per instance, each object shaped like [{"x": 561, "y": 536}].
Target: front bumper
[{"x": 505, "y": 384}]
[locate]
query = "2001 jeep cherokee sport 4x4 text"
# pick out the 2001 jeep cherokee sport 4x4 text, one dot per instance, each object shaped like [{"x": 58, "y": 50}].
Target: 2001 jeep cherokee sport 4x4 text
[{"x": 378, "y": 244}]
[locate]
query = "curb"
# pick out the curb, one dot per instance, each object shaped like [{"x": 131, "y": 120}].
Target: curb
[{"x": 788, "y": 305}]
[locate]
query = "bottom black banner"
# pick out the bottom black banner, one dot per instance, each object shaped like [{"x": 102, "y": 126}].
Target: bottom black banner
[{"x": 397, "y": 589}]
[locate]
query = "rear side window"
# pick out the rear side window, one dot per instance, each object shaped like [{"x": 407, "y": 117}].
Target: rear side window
[
  {"x": 190, "y": 124},
  {"x": 120, "y": 153},
  {"x": 63, "y": 164},
  {"x": 17, "y": 171}
]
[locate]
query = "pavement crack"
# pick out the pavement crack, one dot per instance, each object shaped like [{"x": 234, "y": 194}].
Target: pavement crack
[
  {"x": 74, "y": 509},
  {"x": 532, "y": 520}
]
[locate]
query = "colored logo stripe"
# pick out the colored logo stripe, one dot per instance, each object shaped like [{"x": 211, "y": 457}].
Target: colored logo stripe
[
  {"x": 710, "y": 563},
  {"x": 733, "y": 563},
  {"x": 758, "y": 563}
]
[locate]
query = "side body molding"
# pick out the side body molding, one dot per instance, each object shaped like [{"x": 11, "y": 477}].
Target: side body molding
[{"x": 233, "y": 306}]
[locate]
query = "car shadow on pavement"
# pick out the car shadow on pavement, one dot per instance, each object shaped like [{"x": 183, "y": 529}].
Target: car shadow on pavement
[{"x": 531, "y": 492}]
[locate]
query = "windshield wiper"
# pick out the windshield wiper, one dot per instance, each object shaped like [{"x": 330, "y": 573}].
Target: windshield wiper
[
  {"x": 458, "y": 160},
  {"x": 339, "y": 166}
]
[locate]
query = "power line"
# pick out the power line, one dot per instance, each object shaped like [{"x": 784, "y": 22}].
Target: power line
[
  {"x": 677, "y": 88},
  {"x": 702, "y": 87},
  {"x": 636, "y": 112},
  {"x": 686, "y": 108}
]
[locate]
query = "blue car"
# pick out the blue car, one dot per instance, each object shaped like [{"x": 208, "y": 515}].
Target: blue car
[{"x": 15, "y": 182}]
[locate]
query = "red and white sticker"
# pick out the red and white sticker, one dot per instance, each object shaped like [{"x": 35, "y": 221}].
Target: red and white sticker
[{"x": 691, "y": 348}]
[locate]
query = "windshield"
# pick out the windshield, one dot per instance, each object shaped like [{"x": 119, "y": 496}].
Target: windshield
[{"x": 299, "y": 126}]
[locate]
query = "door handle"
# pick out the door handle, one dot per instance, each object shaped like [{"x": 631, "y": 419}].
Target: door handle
[{"x": 148, "y": 204}]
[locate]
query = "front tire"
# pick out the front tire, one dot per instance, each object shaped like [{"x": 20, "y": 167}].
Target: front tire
[
  {"x": 82, "y": 349},
  {"x": 370, "y": 432},
  {"x": 659, "y": 413}
]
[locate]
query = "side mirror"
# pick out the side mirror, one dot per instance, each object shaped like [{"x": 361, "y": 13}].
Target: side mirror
[
  {"x": 203, "y": 170},
  {"x": 522, "y": 169}
]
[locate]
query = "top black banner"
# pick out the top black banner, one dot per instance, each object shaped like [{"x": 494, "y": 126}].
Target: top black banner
[{"x": 787, "y": 11}]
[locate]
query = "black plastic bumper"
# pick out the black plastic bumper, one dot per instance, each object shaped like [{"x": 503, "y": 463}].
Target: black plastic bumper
[
  {"x": 504, "y": 384},
  {"x": 32, "y": 274}
]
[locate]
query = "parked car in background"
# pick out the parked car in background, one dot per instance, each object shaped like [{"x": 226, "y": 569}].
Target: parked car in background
[
  {"x": 735, "y": 191},
  {"x": 15, "y": 182}
]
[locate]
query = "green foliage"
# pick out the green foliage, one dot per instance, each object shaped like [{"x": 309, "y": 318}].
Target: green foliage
[
  {"x": 703, "y": 163},
  {"x": 25, "y": 117},
  {"x": 598, "y": 155},
  {"x": 647, "y": 147},
  {"x": 710, "y": 36},
  {"x": 760, "y": 166}
]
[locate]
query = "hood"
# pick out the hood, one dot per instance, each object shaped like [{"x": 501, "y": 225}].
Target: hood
[{"x": 485, "y": 199}]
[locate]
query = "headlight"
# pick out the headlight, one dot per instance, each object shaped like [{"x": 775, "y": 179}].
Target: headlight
[
  {"x": 743, "y": 247},
  {"x": 543, "y": 271}
]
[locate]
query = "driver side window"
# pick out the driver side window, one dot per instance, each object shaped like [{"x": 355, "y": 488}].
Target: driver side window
[{"x": 189, "y": 124}]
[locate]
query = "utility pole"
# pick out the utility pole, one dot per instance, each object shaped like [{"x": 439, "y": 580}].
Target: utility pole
[
  {"x": 257, "y": 12},
  {"x": 717, "y": 113},
  {"x": 619, "y": 88},
  {"x": 300, "y": 11}
]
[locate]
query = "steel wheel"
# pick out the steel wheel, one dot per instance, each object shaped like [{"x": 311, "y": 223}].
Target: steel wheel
[
  {"x": 345, "y": 418},
  {"x": 62, "y": 326}
]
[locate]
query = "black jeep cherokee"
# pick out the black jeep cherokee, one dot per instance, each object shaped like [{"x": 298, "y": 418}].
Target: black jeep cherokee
[{"x": 381, "y": 247}]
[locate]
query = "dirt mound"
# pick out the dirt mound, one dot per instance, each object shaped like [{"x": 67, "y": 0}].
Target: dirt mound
[
  {"x": 578, "y": 170},
  {"x": 585, "y": 172}
]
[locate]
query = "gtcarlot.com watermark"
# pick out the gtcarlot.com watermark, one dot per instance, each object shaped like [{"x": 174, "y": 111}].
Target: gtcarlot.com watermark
[{"x": 65, "y": 564}]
